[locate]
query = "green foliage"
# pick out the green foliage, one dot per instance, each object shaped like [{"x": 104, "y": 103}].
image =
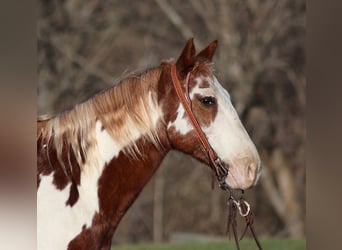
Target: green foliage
[{"x": 246, "y": 244}]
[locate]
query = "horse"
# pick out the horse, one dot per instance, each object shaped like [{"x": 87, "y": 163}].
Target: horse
[{"x": 94, "y": 159}]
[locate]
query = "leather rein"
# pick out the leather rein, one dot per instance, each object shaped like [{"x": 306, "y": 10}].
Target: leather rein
[{"x": 215, "y": 162}]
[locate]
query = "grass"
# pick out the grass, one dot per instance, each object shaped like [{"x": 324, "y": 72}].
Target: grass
[{"x": 245, "y": 244}]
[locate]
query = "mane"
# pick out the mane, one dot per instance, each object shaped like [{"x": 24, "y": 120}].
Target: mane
[{"x": 127, "y": 111}]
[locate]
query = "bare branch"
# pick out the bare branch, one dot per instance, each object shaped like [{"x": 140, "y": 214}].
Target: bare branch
[
  {"x": 176, "y": 20},
  {"x": 86, "y": 65},
  {"x": 272, "y": 192}
]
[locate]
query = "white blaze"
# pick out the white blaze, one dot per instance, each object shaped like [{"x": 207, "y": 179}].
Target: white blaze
[
  {"x": 230, "y": 140},
  {"x": 226, "y": 134}
]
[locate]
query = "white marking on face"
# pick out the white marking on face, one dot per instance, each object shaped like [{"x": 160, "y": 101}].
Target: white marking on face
[
  {"x": 226, "y": 135},
  {"x": 201, "y": 91},
  {"x": 230, "y": 140},
  {"x": 181, "y": 124}
]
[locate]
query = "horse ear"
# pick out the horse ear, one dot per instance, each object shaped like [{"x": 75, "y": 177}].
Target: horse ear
[
  {"x": 187, "y": 58},
  {"x": 208, "y": 52}
]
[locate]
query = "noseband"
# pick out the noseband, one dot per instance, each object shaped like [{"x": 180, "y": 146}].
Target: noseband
[{"x": 215, "y": 162}]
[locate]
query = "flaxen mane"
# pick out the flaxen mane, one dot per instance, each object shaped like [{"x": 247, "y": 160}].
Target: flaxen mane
[{"x": 127, "y": 111}]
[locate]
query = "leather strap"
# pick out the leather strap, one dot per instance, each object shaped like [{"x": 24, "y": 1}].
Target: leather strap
[
  {"x": 185, "y": 100},
  {"x": 215, "y": 161}
]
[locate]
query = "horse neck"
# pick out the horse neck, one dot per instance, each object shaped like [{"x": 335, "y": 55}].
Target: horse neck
[
  {"x": 125, "y": 112},
  {"x": 121, "y": 181},
  {"x": 118, "y": 167},
  {"x": 125, "y": 175},
  {"x": 124, "y": 178}
]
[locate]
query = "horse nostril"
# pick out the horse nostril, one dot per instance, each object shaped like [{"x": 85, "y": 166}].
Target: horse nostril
[{"x": 251, "y": 171}]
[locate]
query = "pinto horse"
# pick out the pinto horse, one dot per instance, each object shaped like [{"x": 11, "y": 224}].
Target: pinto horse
[{"x": 94, "y": 160}]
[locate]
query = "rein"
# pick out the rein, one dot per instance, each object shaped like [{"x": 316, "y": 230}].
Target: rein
[
  {"x": 215, "y": 161},
  {"x": 234, "y": 206},
  {"x": 242, "y": 206}
]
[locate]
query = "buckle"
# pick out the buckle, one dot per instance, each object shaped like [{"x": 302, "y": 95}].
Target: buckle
[
  {"x": 221, "y": 171},
  {"x": 221, "y": 174}
]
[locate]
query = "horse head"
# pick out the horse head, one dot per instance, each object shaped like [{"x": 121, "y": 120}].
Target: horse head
[{"x": 211, "y": 105}]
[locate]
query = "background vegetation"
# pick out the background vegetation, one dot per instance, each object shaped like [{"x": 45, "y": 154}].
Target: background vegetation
[
  {"x": 274, "y": 244},
  {"x": 84, "y": 46}
]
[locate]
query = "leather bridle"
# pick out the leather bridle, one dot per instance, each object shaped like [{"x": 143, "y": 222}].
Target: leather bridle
[{"x": 215, "y": 162}]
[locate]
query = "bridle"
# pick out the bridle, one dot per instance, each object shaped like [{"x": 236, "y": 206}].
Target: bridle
[{"x": 215, "y": 162}]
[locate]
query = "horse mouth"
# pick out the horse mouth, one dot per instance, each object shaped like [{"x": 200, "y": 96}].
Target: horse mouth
[{"x": 237, "y": 179}]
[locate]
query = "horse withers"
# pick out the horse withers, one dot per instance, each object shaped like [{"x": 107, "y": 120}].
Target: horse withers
[{"x": 94, "y": 160}]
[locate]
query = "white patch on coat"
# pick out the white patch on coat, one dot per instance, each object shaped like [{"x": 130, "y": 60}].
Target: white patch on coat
[
  {"x": 107, "y": 148},
  {"x": 150, "y": 114},
  {"x": 58, "y": 224}
]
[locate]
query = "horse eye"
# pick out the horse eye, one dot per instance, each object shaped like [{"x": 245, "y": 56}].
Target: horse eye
[{"x": 208, "y": 100}]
